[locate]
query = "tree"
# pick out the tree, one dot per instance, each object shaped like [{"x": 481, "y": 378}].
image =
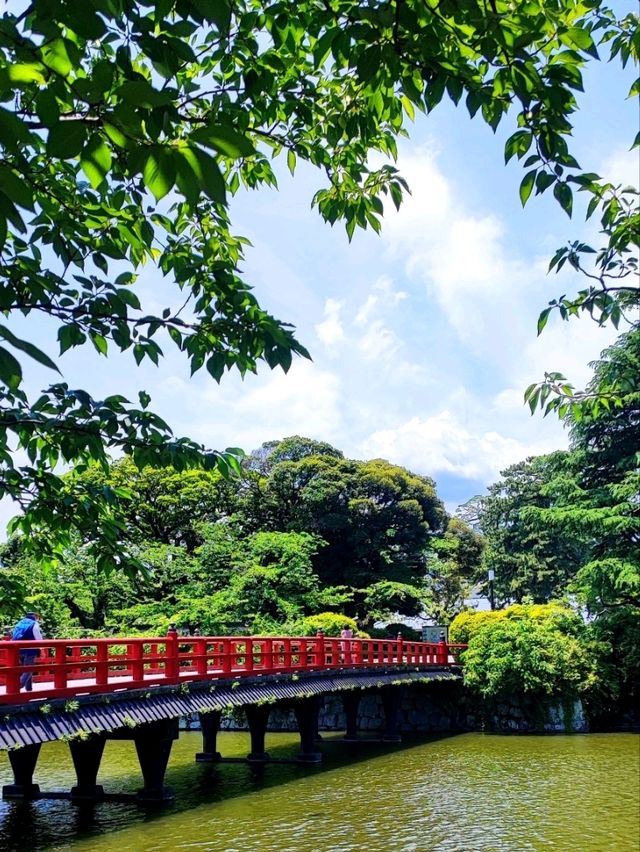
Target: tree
[
  {"x": 530, "y": 559},
  {"x": 452, "y": 565},
  {"x": 125, "y": 127},
  {"x": 260, "y": 583},
  {"x": 288, "y": 449},
  {"x": 164, "y": 505},
  {"x": 603, "y": 504},
  {"x": 376, "y": 518},
  {"x": 74, "y": 597}
]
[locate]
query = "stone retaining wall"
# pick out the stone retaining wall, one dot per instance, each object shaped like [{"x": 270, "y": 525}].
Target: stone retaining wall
[{"x": 424, "y": 709}]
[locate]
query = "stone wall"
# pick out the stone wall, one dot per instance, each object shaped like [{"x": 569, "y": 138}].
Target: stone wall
[
  {"x": 515, "y": 716},
  {"x": 430, "y": 708}
]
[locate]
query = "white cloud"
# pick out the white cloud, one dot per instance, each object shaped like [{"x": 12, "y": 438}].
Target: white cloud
[
  {"x": 364, "y": 314},
  {"x": 461, "y": 258},
  {"x": 489, "y": 293},
  {"x": 622, "y": 167},
  {"x": 330, "y": 331},
  {"x": 378, "y": 343},
  {"x": 306, "y": 401},
  {"x": 441, "y": 443}
]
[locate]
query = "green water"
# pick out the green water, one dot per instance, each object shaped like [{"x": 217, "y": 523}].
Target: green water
[{"x": 455, "y": 794}]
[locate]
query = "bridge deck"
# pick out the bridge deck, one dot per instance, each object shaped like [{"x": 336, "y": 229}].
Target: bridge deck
[{"x": 28, "y": 724}]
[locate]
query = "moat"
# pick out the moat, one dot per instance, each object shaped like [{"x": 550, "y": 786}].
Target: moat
[{"x": 464, "y": 793}]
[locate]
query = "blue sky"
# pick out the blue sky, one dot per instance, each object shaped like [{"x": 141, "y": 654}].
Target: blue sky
[{"x": 424, "y": 338}]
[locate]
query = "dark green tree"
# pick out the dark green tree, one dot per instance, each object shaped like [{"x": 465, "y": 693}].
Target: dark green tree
[
  {"x": 377, "y": 518},
  {"x": 603, "y": 506},
  {"x": 530, "y": 559}
]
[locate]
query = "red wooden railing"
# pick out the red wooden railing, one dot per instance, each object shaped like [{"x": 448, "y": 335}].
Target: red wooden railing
[{"x": 75, "y": 667}]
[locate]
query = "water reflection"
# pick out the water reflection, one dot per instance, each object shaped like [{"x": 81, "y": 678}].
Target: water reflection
[{"x": 468, "y": 793}]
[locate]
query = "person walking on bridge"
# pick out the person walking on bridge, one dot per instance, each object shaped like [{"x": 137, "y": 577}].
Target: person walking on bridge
[{"x": 27, "y": 628}]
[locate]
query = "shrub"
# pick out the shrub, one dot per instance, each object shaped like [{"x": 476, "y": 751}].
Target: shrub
[
  {"x": 536, "y": 650},
  {"x": 330, "y": 622},
  {"x": 468, "y": 623}
]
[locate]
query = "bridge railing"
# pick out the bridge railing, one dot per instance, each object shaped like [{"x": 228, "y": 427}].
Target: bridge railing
[{"x": 68, "y": 667}]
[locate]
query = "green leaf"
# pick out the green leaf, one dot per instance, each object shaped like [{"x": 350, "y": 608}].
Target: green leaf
[
  {"x": 291, "y": 161},
  {"x": 96, "y": 160},
  {"x": 526, "y": 187},
  {"x": 580, "y": 38},
  {"x": 70, "y": 336},
  {"x": 142, "y": 93},
  {"x": 100, "y": 343},
  {"x": 115, "y": 135},
  {"x": 518, "y": 144},
  {"x": 56, "y": 57},
  {"x": 216, "y": 364},
  {"x": 31, "y": 350},
  {"x": 16, "y": 189},
  {"x": 47, "y": 108},
  {"x": 159, "y": 172},
  {"x": 562, "y": 193},
  {"x": 543, "y": 181},
  {"x": 543, "y": 318},
  {"x": 189, "y": 176},
  {"x": 224, "y": 139},
  {"x": 23, "y": 72},
  {"x": 213, "y": 181},
  {"x": 66, "y": 139},
  {"x": 10, "y": 370}
]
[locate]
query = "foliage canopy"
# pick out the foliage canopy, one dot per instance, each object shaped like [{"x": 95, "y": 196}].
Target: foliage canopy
[{"x": 126, "y": 125}]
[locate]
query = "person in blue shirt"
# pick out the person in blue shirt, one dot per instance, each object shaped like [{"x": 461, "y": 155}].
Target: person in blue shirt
[{"x": 27, "y": 629}]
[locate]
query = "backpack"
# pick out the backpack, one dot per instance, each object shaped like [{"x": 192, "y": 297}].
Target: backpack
[{"x": 23, "y": 629}]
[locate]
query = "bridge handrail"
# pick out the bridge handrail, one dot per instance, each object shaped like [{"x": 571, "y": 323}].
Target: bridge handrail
[{"x": 67, "y": 667}]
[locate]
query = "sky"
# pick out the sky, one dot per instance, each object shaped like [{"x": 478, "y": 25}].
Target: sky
[{"x": 423, "y": 339}]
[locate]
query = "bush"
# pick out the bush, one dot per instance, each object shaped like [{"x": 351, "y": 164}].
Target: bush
[
  {"x": 468, "y": 623},
  {"x": 535, "y": 650},
  {"x": 330, "y": 622}
]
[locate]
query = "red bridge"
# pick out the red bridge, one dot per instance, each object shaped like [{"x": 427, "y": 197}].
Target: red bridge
[
  {"x": 78, "y": 667},
  {"x": 86, "y": 691}
]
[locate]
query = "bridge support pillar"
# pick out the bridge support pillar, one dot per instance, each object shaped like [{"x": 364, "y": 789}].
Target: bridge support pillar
[
  {"x": 86, "y": 756},
  {"x": 153, "y": 744},
  {"x": 391, "y": 706},
  {"x": 210, "y": 725},
  {"x": 257, "y": 719},
  {"x": 23, "y": 763},
  {"x": 351, "y": 703},
  {"x": 306, "y": 712}
]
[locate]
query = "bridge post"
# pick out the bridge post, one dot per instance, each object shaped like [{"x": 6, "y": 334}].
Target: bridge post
[
  {"x": 23, "y": 763},
  {"x": 86, "y": 756},
  {"x": 391, "y": 706},
  {"x": 306, "y": 712},
  {"x": 209, "y": 725},
  {"x": 172, "y": 650},
  {"x": 153, "y": 744},
  {"x": 257, "y": 719},
  {"x": 351, "y": 703}
]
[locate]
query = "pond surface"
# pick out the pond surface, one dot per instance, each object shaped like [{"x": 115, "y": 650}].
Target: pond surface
[{"x": 467, "y": 793}]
